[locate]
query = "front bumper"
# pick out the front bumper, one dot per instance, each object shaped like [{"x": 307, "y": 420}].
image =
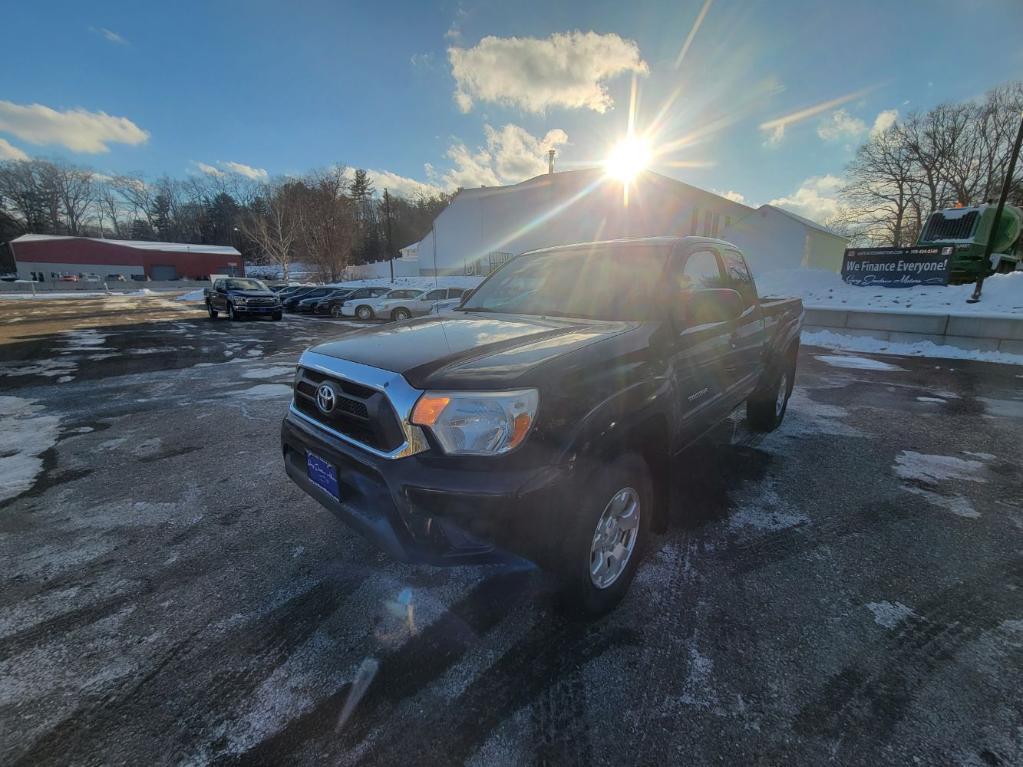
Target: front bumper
[
  {"x": 240, "y": 309},
  {"x": 417, "y": 512}
]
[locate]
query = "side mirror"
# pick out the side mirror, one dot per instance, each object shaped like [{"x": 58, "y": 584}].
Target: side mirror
[{"x": 703, "y": 307}]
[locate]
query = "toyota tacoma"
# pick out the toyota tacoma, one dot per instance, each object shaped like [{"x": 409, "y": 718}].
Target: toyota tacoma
[{"x": 544, "y": 416}]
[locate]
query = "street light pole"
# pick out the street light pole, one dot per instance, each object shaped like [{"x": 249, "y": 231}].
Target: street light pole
[
  {"x": 390, "y": 249},
  {"x": 1006, "y": 186}
]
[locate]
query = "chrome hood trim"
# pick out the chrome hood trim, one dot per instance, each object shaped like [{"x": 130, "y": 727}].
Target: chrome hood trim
[{"x": 394, "y": 387}]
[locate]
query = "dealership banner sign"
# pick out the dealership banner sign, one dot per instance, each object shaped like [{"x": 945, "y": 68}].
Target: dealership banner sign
[{"x": 897, "y": 267}]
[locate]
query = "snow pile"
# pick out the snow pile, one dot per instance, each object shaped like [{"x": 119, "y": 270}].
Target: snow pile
[
  {"x": 192, "y": 295},
  {"x": 831, "y": 340},
  {"x": 24, "y": 437},
  {"x": 820, "y": 289}
]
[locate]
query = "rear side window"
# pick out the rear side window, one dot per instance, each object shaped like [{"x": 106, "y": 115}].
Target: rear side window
[
  {"x": 436, "y": 295},
  {"x": 701, "y": 271},
  {"x": 455, "y": 292},
  {"x": 738, "y": 276}
]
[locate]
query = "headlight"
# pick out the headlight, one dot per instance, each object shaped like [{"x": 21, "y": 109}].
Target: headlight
[{"x": 477, "y": 423}]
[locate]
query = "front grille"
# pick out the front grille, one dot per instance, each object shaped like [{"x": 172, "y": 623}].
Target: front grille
[
  {"x": 940, "y": 228},
  {"x": 361, "y": 413},
  {"x": 261, "y": 302}
]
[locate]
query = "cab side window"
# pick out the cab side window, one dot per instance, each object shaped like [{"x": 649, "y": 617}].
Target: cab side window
[
  {"x": 738, "y": 276},
  {"x": 436, "y": 295}
]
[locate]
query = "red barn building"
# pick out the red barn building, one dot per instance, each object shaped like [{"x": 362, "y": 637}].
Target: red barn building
[{"x": 52, "y": 258}]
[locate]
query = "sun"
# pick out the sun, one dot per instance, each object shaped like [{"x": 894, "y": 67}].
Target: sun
[{"x": 628, "y": 157}]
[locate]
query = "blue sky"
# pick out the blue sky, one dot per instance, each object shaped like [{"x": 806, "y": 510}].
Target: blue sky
[{"x": 282, "y": 88}]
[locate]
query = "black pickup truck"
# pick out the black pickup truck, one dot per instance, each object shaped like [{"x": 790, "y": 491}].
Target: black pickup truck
[
  {"x": 242, "y": 297},
  {"x": 543, "y": 417}
]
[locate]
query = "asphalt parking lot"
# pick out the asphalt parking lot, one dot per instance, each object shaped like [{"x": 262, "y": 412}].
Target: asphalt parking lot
[{"x": 848, "y": 589}]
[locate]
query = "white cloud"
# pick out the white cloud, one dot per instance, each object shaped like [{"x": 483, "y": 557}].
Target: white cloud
[
  {"x": 76, "y": 129},
  {"x": 815, "y": 199},
  {"x": 402, "y": 186},
  {"x": 733, "y": 196},
  {"x": 10, "y": 152},
  {"x": 210, "y": 170},
  {"x": 564, "y": 70},
  {"x": 511, "y": 154},
  {"x": 421, "y": 60},
  {"x": 109, "y": 35},
  {"x": 775, "y": 128},
  {"x": 775, "y": 135},
  {"x": 241, "y": 169},
  {"x": 841, "y": 126},
  {"x": 884, "y": 121}
]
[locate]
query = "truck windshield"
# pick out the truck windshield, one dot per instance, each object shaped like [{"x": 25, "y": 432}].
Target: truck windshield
[
  {"x": 245, "y": 285},
  {"x": 601, "y": 284}
]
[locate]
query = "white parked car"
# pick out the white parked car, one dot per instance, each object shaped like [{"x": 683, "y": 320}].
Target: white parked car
[{"x": 403, "y": 303}]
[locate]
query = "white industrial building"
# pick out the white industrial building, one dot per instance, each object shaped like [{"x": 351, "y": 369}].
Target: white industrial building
[{"x": 484, "y": 227}]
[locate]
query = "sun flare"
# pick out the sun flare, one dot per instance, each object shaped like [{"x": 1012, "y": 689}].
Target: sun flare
[{"x": 629, "y": 157}]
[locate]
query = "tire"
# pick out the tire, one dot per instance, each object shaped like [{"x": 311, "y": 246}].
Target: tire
[
  {"x": 583, "y": 557},
  {"x": 213, "y": 312},
  {"x": 364, "y": 313},
  {"x": 335, "y": 312},
  {"x": 765, "y": 409},
  {"x": 231, "y": 315},
  {"x": 277, "y": 316},
  {"x": 400, "y": 315}
]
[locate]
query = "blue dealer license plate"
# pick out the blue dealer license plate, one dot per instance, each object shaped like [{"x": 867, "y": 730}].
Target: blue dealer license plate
[{"x": 322, "y": 474}]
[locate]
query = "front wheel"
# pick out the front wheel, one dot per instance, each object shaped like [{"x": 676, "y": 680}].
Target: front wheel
[
  {"x": 400, "y": 315},
  {"x": 364, "y": 313},
  {"x": 335, "y": 312},
  {"x": 213, "y": 312},
  {"x": 601, "y": 552},
  {"x": 231, "y": 313}
]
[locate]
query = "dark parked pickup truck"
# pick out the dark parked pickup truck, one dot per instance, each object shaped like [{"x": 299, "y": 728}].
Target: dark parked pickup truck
[
  {"x": 240, "y": 297},
  {"x": 544, "y": 416}
]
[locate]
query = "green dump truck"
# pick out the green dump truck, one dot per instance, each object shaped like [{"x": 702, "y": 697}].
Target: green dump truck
[{"x": 967, "y": 231}]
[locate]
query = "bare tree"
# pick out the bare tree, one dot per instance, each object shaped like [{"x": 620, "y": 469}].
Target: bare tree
[
  {"x": 879, "y": 188},
  {"x": 273, "y": 222},
  {"x": 329, "y": 224},
  {"x": 76, "y": 193}
]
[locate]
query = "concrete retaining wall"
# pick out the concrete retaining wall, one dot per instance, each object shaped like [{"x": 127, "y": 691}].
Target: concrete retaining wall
[{"x": 965, "y": 331}]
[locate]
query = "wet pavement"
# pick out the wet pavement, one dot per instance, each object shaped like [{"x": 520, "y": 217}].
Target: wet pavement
[{"x": 848, "y": 589}]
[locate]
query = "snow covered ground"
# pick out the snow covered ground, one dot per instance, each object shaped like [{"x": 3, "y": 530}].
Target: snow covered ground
[
  {"x": 832, "y": 340},
  {"x": 820, "y": 289},
  {"x": 46, "y": 296}
]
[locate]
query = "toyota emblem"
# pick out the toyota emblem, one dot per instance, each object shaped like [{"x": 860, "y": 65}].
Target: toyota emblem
[{"x": 326, "y": 399}]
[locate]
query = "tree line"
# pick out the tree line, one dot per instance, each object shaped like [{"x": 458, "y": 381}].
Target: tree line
[
  {"x": 327, "y": 219},
  {"x": 953, "y": 154}
]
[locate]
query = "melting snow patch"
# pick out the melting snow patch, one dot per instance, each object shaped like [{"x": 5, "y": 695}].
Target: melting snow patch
[
  {"x": 856, "y": 363},
  {"x": 939, "y": 400},
  {"x": 270, "y": 372},
  {"x": 24, "y": 437},
  {"x": 935, "y": 468},
  {"x": 266, "y": 391},
  {"x": 807, "y": 418},
  {"x": 765, "y": 511},
  {"x": 956, "y": 504},
  {"x": 889, "y": 614},
  {"x": 981, "y": 456}
]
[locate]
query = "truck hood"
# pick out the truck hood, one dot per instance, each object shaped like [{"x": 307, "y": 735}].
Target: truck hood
[
  {"x": 251, "y": 293},
  {"x": 469, "y": 350}
]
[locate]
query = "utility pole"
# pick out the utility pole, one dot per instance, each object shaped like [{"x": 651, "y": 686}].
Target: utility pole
[
  {"x": 390, "y": 249},
  {"x": 1006, "y": 186}
]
